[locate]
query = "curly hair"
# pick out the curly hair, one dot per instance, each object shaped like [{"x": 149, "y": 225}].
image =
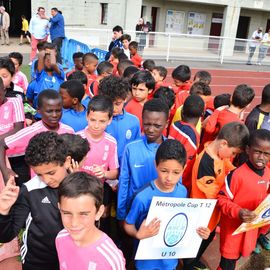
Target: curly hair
[{"x": 44, "y": 148}]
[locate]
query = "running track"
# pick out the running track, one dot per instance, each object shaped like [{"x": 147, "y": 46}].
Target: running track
[{"x": 224, "y": 81}]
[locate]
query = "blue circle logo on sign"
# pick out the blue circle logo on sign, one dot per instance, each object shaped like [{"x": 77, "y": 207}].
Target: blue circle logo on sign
[
  {"x": 175, "y": 229},
  {"x": 266, "y": 214}
]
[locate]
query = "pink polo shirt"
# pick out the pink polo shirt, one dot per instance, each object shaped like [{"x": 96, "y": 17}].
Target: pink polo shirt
[
  {"x": 103, "y": 152},
  {"x": 11, "y": 112},
  {"x": 20, "y": 80},
  {"x": 18, "y": 142}
]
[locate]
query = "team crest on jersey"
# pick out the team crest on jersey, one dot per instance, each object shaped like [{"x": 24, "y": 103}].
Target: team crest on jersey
[{"x": 128, "y": 134}]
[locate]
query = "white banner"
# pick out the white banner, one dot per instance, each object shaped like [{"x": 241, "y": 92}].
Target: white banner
[
  {"x": 175, "y": 21},
  {"x": 179, "y": 220}
]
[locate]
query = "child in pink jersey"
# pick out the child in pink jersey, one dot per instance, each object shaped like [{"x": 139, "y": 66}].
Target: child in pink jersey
[
  {"x": 81, "y": 245},
  {"x": 102, "y": 159},
  {"x": 19, "y": 78},
  {"x": 50, "y": 108}
]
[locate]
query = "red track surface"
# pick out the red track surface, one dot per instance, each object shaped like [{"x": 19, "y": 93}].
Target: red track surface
[{"x": 224, "y": 81}]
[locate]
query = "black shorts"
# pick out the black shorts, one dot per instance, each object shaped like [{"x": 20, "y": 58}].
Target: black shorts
[
  {"x": 25, "y": 34},
  {"x": 107, "y": 194}
]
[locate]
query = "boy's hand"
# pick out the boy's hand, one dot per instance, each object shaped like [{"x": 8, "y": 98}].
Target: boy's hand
[
  {"x": 99, "y": 171},
  {"x": 74, "y": 166},
  {"x": 246, "y": 215},
  {"x": 8, "y": 196},
  {"x": 203, "y": 232},
  {"x": 150, "y": 230}
]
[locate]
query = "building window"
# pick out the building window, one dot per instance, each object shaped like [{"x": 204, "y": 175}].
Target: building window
[{"x": 104, "y": 13}]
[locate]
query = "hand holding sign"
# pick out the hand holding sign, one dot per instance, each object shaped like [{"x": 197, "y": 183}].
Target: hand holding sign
[{"x": 146, "y": 231}]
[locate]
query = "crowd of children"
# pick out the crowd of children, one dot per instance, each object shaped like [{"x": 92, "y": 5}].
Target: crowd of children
[{"x": 137, "y": 136}]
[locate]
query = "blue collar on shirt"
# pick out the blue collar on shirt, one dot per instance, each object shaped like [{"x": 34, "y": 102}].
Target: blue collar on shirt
[
  {"x": 120, "y": 116},
  {"x": 152, "y": 146}
]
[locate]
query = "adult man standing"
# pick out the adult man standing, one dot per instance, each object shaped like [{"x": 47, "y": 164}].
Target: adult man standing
[
  {"x": 4, "y": 26},
  {"x": 255, "y": 41},
  {"x": 39, "y": 29},
  {"x": 57, "y": 30}
]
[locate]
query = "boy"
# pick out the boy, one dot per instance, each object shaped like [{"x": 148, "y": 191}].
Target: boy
[
  {"x": 125, "y": 39},
  {"x": 34, "y": 205},
  {"x": 159, "y": 73},
  {"x": 101, "y": 160},
  {"x": 209, "y": 171},
  {"x": 181, "y": 76},
  {"x": 137, "y": 166},
  {"x": 74, "y": 113},
  {"x": 124, "y": 127},
  {"x": 142, "y": 84},
  {"x": 134, "y": 56},
  {"x": 49, "y": 74},
  {"x": 116, "y": 40},
  {"x": 25, "y": 31},
  {"x": 81, "y": 245},
  {"x": 148, "y": 64},
  {"x": 122, "y": 65},
  {"x": 78, "y": 63},
  {"x": 19, "y": 78},
  {"x": 244, "y": 189},
  {"x": 203, "y": 76},
  {"x": 170, "y": 161},
  {"x": 50, "y": 109},
  {"x": 114, "y": 59}
]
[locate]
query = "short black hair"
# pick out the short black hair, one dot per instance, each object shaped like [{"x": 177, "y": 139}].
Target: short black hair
[
  {"x": 55, "y": 9},
  {"x": 259, "y": 134},
  {"x": 122, "y": 56},
  {"x": 143, "y": 76},
  {"x": 133, "y": 44},
  {"x": 79, "y": 76},
  {"x": 162, "y": 71},
  {"x": 235, "y": 133},
  {"x": 89, "y": 57},
  {"x": 171, "y": 150},
  {"x": 221, "y": 100},
  {"x": 77, "y": 55},
  {"x": 182, "y": 73},
  {"x": 40, "y": 45},
  {"x": 200, "y": 88},
  {"x": 116, "y": 52},
  {"x": 44, "y": 148},
  {"x": 193, "y": 107},
  {"x": 47, "y": 94},
  {"x": 103, "y": 67},
  {"x": 39, "y": 8},
  {"x": 166, "y": 94},
  {"x": 125, "y": 37},
  {"x": 149, "y": 64},
  {"x": 243, "y": 94},
  {"x": 18, "y": 56},
  {"x": 118, "y": 28},
  {"x": 7, "y": 64},
  {"x": 77, "y": 147},
  {"x": 130, "y": 71},
  {"x": 113, "y": 87},
  {"x": 266, "y": 94},
  {"x": 74, "y": 88},
  {"x": 81, "y": 183},
  {"x": 203, "y": 76},
  {"x": 123, "y": 64},
  {"x": 101, "y": 103},
  {"x": 50, "y": 46},
  {"x": 156, "y": 105}
]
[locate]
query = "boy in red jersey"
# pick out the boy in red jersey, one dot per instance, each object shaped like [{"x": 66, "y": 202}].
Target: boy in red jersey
[{"x": 134, "y": 56}]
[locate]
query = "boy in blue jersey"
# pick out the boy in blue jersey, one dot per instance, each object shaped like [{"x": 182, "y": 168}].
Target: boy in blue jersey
[
  {"x": 170, "y": 162},
  {"x": 138, "y": 166},
  {"x": 125, "y": 127},
  {"x": 74, "y": 113}
]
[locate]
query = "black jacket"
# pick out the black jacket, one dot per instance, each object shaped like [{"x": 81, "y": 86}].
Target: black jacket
[{"x": 35, "y": 210}]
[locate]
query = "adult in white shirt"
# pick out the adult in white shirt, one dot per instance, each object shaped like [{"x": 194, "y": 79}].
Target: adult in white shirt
[
  {"x": 255, "y": 41},
  {"x": 263, "y": 49},
  {"x": 4, "y": 25},
  {"x": 39, "y": 29}
]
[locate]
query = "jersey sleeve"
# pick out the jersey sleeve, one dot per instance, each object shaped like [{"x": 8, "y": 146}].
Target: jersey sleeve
[
  {"x": 113, "y": 159},
  {"x": 18, "y": 110},
  {"x": 226, "y": 196},
  {"x": 211, "y": 124}
]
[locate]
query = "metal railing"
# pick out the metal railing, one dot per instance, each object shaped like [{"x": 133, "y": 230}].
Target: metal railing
[{"x": 173, "y": 46}]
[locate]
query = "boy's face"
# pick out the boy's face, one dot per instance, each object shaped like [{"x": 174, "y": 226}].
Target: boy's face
[
  {"x": 91, "y": 66},
  {"x": 169, "y": 173},
  {"x": 16, "y": 64},
  {"x": 116, "y": 35},
  {"x": 225, "y": 151},
  {"x": 156, "y": 76},
  {"x": 125, "y": 43},
  {"x": 78, "y": 63},
  {"x": 68, "y": 101},
  {"x": 51, "y": 112},
  {"x": 140, "y": 92},
  {"x": 132, "y": 50},
  {"x": 259, "y": 153},
  {"x": 6, "y": 77},
  {"x": 97, "y": 123},
  {"x": 177, "y": 82},
  {"x": 51, "y": 173},
  {"x": 118, "y": 105},
  {"x": 79, "y": 216},
  {"x": 153, "y": 124}
]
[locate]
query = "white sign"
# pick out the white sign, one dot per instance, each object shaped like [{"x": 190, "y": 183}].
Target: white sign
[
  {"x": 196, "y": 23},
  {"x": 179, "y": 220},
  {"x": 175, "y": 21}
]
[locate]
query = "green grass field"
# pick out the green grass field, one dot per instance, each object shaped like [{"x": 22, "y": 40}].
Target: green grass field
[{"x": 27, "y": 71}]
